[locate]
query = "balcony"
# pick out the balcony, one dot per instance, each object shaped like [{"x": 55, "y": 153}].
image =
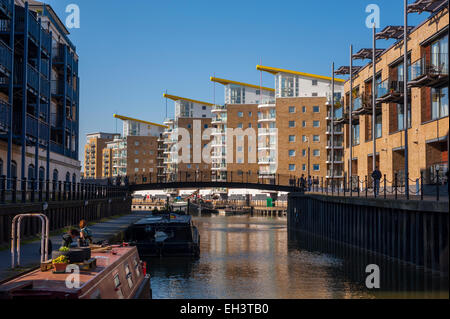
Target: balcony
[
  {"x": 5, "y": 112},
  {"x": 6, "y": 7},
  {"x": 336, "y": 146},
  {"x": 430, "y": 72},
  {"x": 336, "y": 174},
  {"x": 266, "y": 161},
  {"x": 267, "y": 118},
  {"x": 337, "y": 159},
  {"x": 219, "y": 108},
  {"x": 337, "y": 130},
  {"x": 393, "y": 93},
  {"x": 43, "y": 131},
  {"x": 31, "y": 126},
  {"x": 267, "y": 104},
  {"x": 219, "y": 120},
  {"x": 5, "y": 58},
  {"x": 266, "y": 132}
]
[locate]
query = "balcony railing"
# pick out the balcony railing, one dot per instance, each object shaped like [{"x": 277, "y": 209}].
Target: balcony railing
[
  {"x": 5, "y": 57},
  {"x": 31, "y": 126},
  {"x": 357, "y": 103},
  {"x": 382, "y": 88},
  {"x": 5, "y": 111},
  {"x": 6, "y": 7},
  {"x": 429, "y": 71}
]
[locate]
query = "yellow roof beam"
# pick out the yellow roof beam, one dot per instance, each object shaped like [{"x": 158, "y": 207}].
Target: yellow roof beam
[
  {"x": 225, "y": 82},
  {"x": 177, "y": 98},
  {"x": 126, "y": 118},
  {"x": 277, "y": 70}
]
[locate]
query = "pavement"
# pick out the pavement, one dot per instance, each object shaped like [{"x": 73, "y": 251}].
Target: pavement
[{"x": 30, "y": 256}]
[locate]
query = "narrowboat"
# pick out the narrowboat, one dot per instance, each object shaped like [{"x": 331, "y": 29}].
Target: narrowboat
[
  {"x": 112, "y": 272},
  {"x": 165, "y": 235}
]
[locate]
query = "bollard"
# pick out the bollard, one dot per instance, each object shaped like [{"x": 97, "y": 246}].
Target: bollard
[
  {"x": 357, "y": 180},
  {"x": 365, "y": 182},
  {"x": 384, "y": 181}
]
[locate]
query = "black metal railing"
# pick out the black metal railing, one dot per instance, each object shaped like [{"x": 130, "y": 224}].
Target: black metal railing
[
  {"x": 15, "y": 190},
  {"x": 431, "y": 187}
]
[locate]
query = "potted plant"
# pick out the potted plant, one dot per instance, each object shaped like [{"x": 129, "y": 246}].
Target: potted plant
[{"x": 60, "y": 263}]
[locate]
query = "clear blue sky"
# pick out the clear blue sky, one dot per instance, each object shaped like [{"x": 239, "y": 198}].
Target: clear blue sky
[{"x": 132, "y": 51}]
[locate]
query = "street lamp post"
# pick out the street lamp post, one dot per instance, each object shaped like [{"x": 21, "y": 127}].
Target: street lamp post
[
  {"x": 405, "y": 94},
  {"x": 332, "y": 127},
  {"x": 374, "y": 62},
  {"x": 350, "y": 143}
]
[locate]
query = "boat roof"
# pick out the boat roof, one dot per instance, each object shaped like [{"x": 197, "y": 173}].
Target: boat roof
[
  {"x": 48, "y": 281},
  {"x": 162, "y": 219}
]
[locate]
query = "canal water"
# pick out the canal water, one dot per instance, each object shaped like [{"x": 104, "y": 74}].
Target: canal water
[{"x": 256, "y": 257}]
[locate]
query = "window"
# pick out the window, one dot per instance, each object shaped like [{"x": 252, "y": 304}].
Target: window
[
  {"x": 203, "y": 115},
  {"x": 188, "y": 166},
  {"x": 240, "y": 114},
  {"x": 316, "y": 123},
  {"x": 355, "y": 132},
  {"x": 189, "y": 126},
  {"x": 55, "y": 175},
  {"x": 239, "y": 149},
  {"x": 292, "y": 167},
  {"x": 439, "y": 103},
  {"x": 303, "y": 123},
  {"x": 136, "y": 169},
  {"x": 379, "y": 125},
  {"x": 136, "y": 267},
  {"x": 303, "y": 152},
  {"x": 316, "y": 152},
  {"x": 250, "y": 125},
  {"x": 316, "y": 138},
  {"x": 316, "y": 109},
  {"x": 314, "y": 94},
  {"x": 240, "y": 161},
  {"x": 304, "y": 109},
  {"x": 128, "y": 276},
  {"x": 257, "y": 92},
  {"x": 203, "y": 108},
  {"x": 291, "y": 153},
  {"x": 291, "y": 124},
  {"x": 249, "y": 114},
  {"x": 239, "y": 125},
  {"x": 314, "y": 82},
  {"x": 303, "y": 167},
  {"x": 291, "y": 138},
  {"x": 136, "y": 143},
  {"x": 304, "y": 138},
  {"x": 316, "y": 167},
  {"x": 136, "y": 160},
  {"x": 136, "y": 152},
  {"x": 291, "y": 109},
  {"x": 205, "y": 126},
  {"x": 401, "y": 118}
]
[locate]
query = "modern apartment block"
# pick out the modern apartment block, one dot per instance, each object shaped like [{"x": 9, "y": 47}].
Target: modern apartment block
[
  {"x": 428, "y": 124},
  {"x": 135, "y": 153},
  {"x": 94, "y": 154},
  {"x": 39, "y": 94},
  {"x": 295, "y": 133},
  {"x": 195, "y": 118},
  {"x": 239, "y": 112}
]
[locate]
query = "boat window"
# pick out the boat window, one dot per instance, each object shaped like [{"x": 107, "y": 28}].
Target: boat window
[
  {"x": 136, "y": 267},
  {"x": 128, "y": 275},
  {"x": 116, "y": 281}
]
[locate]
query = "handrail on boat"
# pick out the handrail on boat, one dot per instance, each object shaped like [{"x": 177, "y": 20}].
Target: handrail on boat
[{"x": 15, "y": 237}]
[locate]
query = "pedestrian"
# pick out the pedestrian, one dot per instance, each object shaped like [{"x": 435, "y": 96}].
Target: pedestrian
[
  {"x": 71, "y": 238},
  {"x": 302, "y": 183},
  {"x": 85, "y": 233},
  {"x": 309, "y": 183},
  {"x": 376, "y": 175}
]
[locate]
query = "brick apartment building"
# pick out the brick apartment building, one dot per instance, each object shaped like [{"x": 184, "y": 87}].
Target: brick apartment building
[
  {"x": 192, "y": 116},
  {"x": 93, "y": 153},
  {"x": 296, "y": 128},
  {"x": 428, "y": 125}
]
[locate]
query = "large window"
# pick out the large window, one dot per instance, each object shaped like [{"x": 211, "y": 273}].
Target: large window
[
  {"x": 355, "y": 133},
  {"x": 401, "y": 117},
  {"x": 439, "y": 103},
  {"x": 378, "y": 126},
  {"x": 439, "y": 55}
]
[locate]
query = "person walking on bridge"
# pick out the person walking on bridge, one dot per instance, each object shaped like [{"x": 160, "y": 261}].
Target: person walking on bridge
[{"x": 376, "y": 175}]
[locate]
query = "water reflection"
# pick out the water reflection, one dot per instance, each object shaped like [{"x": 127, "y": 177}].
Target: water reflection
[{"x": 253, "y": 257}]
